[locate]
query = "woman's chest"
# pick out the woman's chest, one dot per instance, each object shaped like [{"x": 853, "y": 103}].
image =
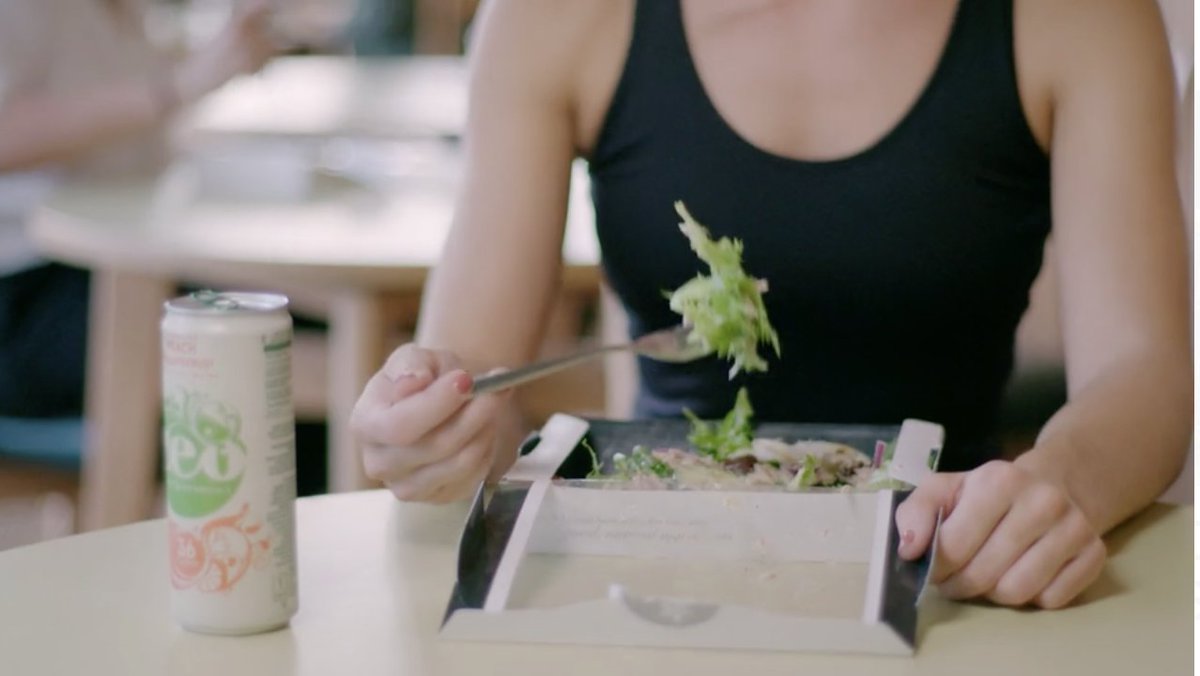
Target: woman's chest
[
  {"x": 806, "y": 80},
  {"x": 864, "y": 245}
]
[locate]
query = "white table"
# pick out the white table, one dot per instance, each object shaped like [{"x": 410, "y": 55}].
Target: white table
[{"x": 375, "y": 576}]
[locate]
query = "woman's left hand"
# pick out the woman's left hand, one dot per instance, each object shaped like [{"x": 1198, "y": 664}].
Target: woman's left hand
[{"x": 1007, "y": 536}]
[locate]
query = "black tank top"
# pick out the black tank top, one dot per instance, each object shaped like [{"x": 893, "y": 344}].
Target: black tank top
[{"x": 897, "y": 275}]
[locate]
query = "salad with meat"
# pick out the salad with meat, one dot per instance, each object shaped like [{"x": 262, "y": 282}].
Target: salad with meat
[
  {"x": 726, "y": 314},
  {"x": 727, "y": 455}
]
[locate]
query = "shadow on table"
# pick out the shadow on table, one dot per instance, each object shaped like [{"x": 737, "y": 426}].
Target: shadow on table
[
  {"x": 1106, "y": 586},
  {"x": 934, "y": 611},
  {"x": 437, "y": 526},
  {"x": 939, "y": 609},
  {"x": 1121, "y": 535}
]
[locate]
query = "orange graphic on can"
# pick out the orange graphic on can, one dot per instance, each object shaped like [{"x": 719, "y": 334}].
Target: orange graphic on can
[{"x": 217, "y": 557}]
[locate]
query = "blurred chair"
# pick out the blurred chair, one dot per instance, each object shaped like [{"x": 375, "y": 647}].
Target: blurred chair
[
  {"x": 41, "y": 458},
  {"x": 52, "y": 441},
  {"x": 381, "y": 28},
  {"x": 402, "y": 27}
]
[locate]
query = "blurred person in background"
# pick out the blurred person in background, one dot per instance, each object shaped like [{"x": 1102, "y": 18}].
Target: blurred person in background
[
  {"x": 894, "y": 169},
  {"x": 404, "y": 27},
  {"x": 83, "y": 94},
  {"x": 382, "y": 28}
]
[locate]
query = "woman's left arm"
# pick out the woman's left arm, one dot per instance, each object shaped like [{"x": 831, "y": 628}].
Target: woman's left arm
[
  {"x": 1122, "y": 256},
  {"x": 1028, "y": 531}
]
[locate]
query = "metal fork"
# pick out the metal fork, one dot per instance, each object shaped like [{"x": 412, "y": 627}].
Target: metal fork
[{"x": 669, "y": 345}]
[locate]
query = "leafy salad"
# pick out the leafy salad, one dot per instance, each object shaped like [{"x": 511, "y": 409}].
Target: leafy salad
[
  {"x": 727, "y": 455},
  {"x": 725, "y": 307},
  {"x": 727, "y": 316}
]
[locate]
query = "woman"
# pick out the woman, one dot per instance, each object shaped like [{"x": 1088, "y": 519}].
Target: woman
[
  {"x": 82, "y": 93},
  {"x": 889, "y": 166}
]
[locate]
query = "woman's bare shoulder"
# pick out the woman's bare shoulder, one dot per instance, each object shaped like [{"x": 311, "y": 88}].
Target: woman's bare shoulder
[
  {"x": 1068, "y": 47},
  {"x": 1093, "y": 39},
  {"x": 564, "y": 54},
  {"x": 546, "y": 39}
]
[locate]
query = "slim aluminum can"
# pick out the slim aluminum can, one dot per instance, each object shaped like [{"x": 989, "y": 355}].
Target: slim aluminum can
[{"x": 230, "y": 461}]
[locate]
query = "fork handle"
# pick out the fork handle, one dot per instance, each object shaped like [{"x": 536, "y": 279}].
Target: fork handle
[{"x": 507, "y": 379}]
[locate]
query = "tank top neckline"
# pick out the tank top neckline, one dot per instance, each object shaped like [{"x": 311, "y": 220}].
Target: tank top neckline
[{"x": 895, "y": 131}]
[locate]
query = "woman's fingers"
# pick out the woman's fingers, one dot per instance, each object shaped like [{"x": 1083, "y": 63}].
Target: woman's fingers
[
  {"x": 447, "y": 480},
  {"x": 390, "y": 462},
  {"x": 407, "y": 419},
  {"x": 408, "y": 370},
  {"x": 987, "y": 494},
  {"x": 1030, "y": 517},
  {"x": 455, "y": 433},
  {"x": 1047, "y": 560},
  {"x": 1010, "y": 537},
  {"x": 1075, "y": 577},
  {"x": 408, "y": 360},
  {"x": 422, "y": 431},
  {"x": 916, "y": 517}
]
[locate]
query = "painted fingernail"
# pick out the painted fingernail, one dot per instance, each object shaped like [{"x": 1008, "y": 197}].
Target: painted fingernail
[{"x": 463, "y": 382}]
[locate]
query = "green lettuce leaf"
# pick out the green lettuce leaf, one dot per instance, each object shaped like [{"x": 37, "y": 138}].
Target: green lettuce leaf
[
  {"x": 640, "y": 461},
  {"x": 732, "y": 434},
  {"x": 724, "y": 308}
]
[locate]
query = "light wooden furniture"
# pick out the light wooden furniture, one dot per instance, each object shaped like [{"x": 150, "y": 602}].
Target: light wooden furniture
[
  {"x": 357, "y": 248},
  {"x": 241, "y": 214},
  {"x": 375, "y": 576},
  {"x": 320, "y": 97}
]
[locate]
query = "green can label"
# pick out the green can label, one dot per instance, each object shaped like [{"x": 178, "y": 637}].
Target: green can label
[{"x": 205, "y": 455}]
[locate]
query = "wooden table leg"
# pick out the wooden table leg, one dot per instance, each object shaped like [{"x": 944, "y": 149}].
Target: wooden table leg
[
  {"x": 358, "y": 333},
  {"x": 120, "y": 459}
]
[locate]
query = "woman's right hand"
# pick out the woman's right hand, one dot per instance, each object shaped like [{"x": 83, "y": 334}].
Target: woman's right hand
[{"x": 423, "y": 434}]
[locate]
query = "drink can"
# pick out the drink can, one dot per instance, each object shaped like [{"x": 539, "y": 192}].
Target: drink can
[{"x": 230, "y": 461}]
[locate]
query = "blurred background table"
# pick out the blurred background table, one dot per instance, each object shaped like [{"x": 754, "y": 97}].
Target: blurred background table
[{"x": 320, "y": 97}]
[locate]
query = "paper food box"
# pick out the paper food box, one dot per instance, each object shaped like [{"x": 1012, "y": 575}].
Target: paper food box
[{"x": 546, "y": 557}]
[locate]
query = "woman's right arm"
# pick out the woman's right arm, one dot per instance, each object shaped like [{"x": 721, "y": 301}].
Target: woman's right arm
[{"x": 487, "y": 302}]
